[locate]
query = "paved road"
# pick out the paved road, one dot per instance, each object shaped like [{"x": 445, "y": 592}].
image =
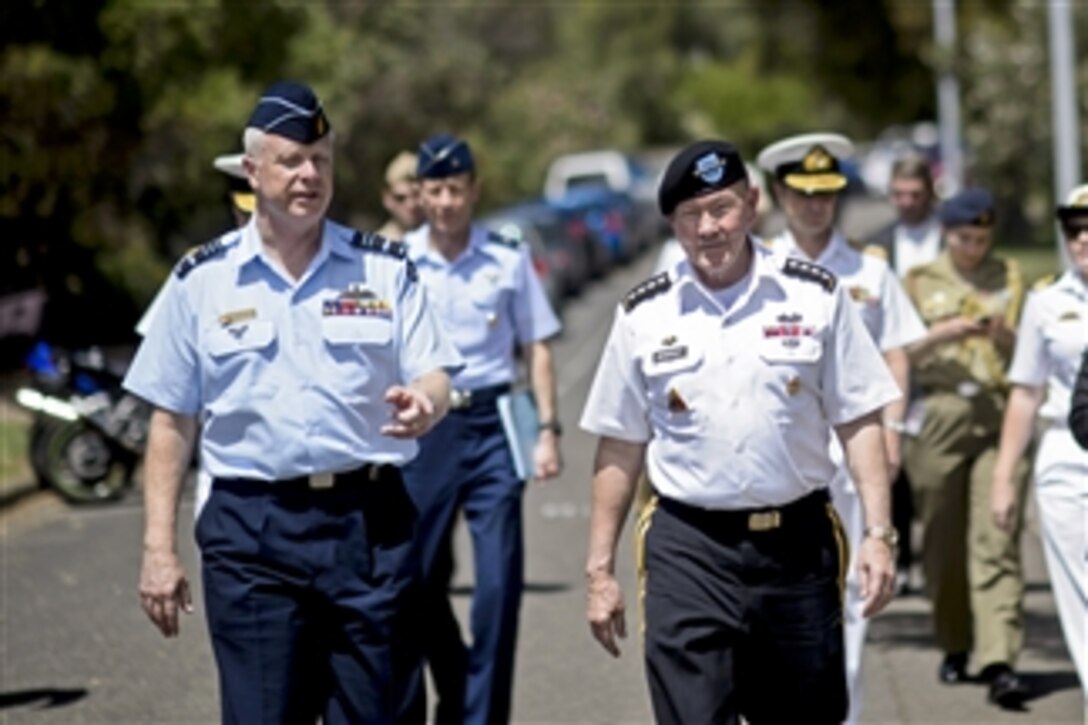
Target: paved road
[{"x": 75, "y": 647}]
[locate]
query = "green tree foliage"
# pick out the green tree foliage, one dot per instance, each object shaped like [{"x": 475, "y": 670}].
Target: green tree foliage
[{"x": 112, "y": 110}]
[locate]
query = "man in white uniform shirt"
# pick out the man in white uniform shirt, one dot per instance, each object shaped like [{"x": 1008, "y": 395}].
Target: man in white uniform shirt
[
  {"x": 807, "y": 184},
  {"x": 914, "y": 237},
  {"x": 726, "y": 376}
]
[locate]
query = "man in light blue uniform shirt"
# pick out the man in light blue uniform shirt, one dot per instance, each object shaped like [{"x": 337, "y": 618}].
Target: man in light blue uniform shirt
[
  {"x": 488, "y": 298},
  {"x": 310, "y": 358}
]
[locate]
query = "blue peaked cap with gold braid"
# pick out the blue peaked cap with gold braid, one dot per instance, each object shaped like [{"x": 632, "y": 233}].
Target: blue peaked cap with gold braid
[{"x": 291, "y": 110}]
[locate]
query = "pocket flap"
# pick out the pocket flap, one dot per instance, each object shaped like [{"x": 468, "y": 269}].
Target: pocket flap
[
  {"x": 801, "y": 349},
  {"x": 666, "y": 360},
  {"x": 356, "y": 330},
  {"x": 251, "y": 335}
]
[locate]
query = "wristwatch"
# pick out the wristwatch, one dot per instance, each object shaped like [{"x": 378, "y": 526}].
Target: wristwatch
[
  {"x": 553, "y": 426},
  {"x": 887, "y": 534}
]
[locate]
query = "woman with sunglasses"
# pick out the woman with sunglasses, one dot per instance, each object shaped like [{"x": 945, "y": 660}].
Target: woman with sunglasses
[{"x": 1051, "y": 342}]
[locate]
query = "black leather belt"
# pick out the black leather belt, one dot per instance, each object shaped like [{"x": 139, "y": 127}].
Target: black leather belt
[
  {"x": 760, "y": 519},
  {"x": 369, "y": 473},
  {"x": 462, "y": 399}
]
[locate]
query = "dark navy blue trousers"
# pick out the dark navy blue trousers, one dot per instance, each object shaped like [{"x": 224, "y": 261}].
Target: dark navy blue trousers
[
  {"x": 310, "y": 596},
  {"x": 465, "y": 464},
  {"x": 743, "y": 622}
]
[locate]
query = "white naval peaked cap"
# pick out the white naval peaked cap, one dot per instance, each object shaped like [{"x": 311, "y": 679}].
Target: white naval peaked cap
[
  {"x": 231, "y": 165},
  {"x": 808, "y": 162}
]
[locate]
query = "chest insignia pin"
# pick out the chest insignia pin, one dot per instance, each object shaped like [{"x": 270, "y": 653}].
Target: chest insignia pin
[
  {"x": 793, "y": 385},
  {"x": 676, "y": 403}
]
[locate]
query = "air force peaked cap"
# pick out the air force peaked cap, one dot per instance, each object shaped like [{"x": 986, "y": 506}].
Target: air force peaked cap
[
  {"x": 971, "y": 207},
  {"x": 290, "y": 110},
  {"x": 444, "y": 155},
  {"x": 808, "y": 163},
  {"x": 1076, "y": 203},
  {"x": 701, "y": 168}
]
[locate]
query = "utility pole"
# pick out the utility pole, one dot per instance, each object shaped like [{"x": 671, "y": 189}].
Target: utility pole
[
  {"x": 948, "y": 96},
  {"x": 1063, "y": 94}
]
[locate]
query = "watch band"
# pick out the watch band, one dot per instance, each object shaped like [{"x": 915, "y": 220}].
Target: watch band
[{"x": 553, "y": 426}]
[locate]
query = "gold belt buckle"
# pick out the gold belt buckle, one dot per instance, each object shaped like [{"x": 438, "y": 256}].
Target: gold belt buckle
[
  {"x": 321, "y": 480},
  {"x": 764, "y": 520}
]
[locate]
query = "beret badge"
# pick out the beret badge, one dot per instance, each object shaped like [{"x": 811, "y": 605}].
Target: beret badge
[{"x": 710, "y": 168}]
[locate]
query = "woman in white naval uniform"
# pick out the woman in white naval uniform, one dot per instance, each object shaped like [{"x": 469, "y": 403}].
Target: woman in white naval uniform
[
  {"x": 808, "y": 184},
  {"x": 1051, "y": 341}
]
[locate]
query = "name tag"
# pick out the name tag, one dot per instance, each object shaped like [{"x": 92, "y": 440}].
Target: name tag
[{"x": 669, "y": 354}]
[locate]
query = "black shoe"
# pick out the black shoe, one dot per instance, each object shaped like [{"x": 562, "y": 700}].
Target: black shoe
[
  {"x": 1007, "y": 689},
  {"x": 953, "y": 668}
]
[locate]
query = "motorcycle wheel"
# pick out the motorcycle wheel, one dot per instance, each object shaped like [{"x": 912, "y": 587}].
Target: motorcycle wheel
[
  {"x": 38, "y": 447},
  {"x": 83, "y": 467}
]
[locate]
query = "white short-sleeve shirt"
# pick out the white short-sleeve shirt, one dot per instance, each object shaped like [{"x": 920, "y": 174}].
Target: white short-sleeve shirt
[
  {"x": 1050, "y": 341},
  {"x": 737, "y": 406}
]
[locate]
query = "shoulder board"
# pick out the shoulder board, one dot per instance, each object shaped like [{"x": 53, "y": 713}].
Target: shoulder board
[
  {"x": 371, "y": 242},
  {"x": 1045, "y": 282},
  {"x": 809, "y": 272},
  {"x": 645, "y": 290},
  {"x": 856, "y": 244},
  {"x": 508, "y": 242},
  {"x": 199, "y": 255}
]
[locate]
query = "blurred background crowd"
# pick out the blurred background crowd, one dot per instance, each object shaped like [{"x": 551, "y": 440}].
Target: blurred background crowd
[{"x": 113, "y": 110}]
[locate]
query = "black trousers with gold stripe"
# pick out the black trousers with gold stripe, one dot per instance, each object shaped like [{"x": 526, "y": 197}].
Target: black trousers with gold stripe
[{"x": 743, "y": 614}]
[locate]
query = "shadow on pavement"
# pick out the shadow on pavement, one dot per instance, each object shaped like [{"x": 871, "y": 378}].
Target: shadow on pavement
[
  {"x": 1042, "y": 684},
  {"x": 465, "y": 590},
  {"x": 43, "y": 697},
  {"x": 1042, "y": 633}
]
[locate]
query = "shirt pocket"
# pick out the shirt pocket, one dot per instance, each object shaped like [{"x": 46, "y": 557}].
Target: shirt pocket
[
  {"x": 239, "y": 356},
  {"x": 791, "y": 369},
  {"x": 674, "y": 380},
  {"x": 358, "y": 348}
]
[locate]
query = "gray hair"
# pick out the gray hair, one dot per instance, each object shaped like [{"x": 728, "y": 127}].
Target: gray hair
[{"x": 252, "y": 141}]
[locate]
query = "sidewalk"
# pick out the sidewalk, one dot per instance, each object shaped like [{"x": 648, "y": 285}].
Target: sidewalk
[{"x": 900, "y": 665}]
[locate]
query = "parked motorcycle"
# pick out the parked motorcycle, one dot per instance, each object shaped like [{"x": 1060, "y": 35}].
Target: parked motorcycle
[{"x": 88, "y": 433}]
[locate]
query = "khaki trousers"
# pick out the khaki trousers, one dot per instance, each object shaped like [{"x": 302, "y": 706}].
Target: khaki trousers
[{"x": 972, "y": 569}]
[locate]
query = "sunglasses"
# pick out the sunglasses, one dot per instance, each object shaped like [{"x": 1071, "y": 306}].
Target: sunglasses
[{"x": 1073, "y": 230}]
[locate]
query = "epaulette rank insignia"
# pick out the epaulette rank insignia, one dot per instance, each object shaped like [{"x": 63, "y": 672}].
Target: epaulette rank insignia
[
  {"x": 198, "y": 256},
  {"x": 508, "y": 242},
  {"x": 875, "y": 250},
  {"x": 371, "y": 242},
  {"x": 1045, "y": 282},
  {"x": 810, "y": 272},
  {"x": 650, "y": 288}
]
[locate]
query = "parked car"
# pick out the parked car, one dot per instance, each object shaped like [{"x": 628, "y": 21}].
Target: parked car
[
  {"x": 549, "y": 263},
  {"x": 612, "y": 218},
  {"x": 618, "y": 172}
]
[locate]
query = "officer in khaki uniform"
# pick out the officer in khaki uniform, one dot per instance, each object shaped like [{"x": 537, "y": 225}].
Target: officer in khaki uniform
[{"x": 970, "y": 301}]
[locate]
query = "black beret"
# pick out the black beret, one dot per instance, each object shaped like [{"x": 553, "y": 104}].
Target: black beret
[
  {"x": 290, "y": 110},
  {"x": 701, "y": 168},
  {"x": 972, "y": 207},
  {"x": 444, "y": 155}
]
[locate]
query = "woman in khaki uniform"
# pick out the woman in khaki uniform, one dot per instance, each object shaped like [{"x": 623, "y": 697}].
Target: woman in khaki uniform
[{"x": 970, "y": 301}]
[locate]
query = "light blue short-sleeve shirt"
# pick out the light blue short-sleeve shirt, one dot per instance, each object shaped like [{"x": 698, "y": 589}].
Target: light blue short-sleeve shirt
[
  {"x": 488, "y": 299},
  {"x": 288, "y": 377}
]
